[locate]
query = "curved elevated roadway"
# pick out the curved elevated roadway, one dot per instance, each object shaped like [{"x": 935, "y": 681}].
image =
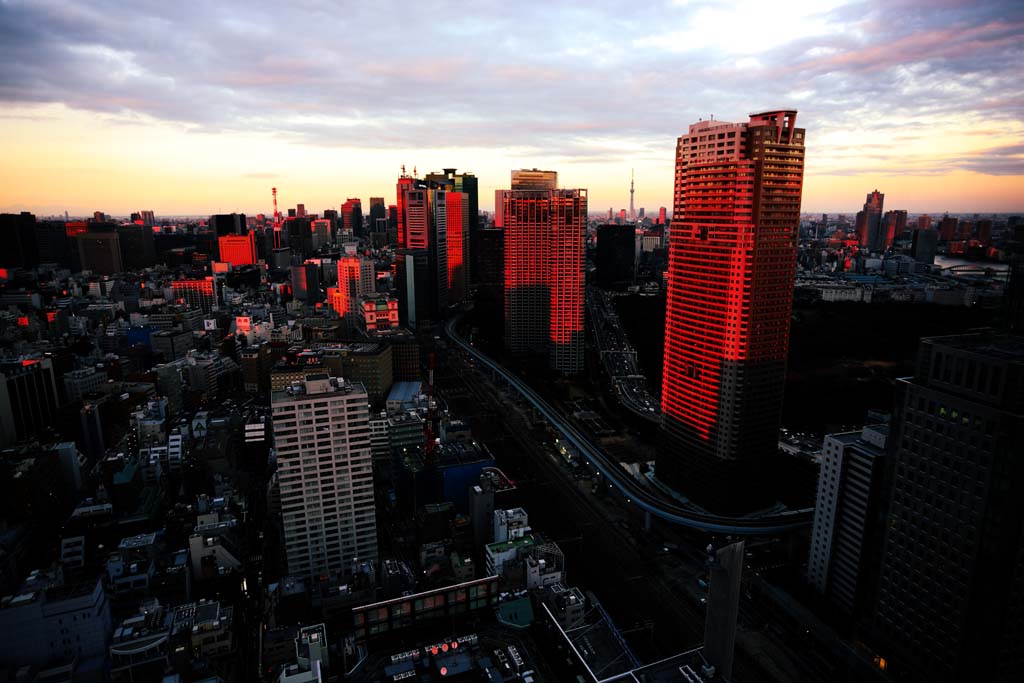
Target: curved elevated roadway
[{"x": 634, "y": 492}]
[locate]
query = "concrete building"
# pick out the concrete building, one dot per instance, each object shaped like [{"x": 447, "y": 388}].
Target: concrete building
[
  {"x": 322, "y": 437},
  {"x": 543, "y": 264},
  {"x": 77, "y": 383},
  {"x": 49, "y": 621},
  {"x": 950, "y": 600},
  {"x": 28, "y": 398},
  {"x": 849, "y": 493},
  {"x": 732, "y": 258},
  {"x": 510, "y": 524}
]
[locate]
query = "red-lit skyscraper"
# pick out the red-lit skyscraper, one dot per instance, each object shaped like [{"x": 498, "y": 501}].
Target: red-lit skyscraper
[
  {"x": 869, "y": 222},
  {"x": 457, "y": 210},
  {"x": 352, "y": 218},
  {"x": 732, "y": 258},
  {"x": 544, "y": 234}
]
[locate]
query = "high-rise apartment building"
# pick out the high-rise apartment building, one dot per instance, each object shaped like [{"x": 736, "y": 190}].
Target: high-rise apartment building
[
  {"x": 950, "y": 602},
  {"x": 732, "y": 258},
  {"x": 322, "y": 437},
  {"x": 844, "y": 535},
  {"x": 457, "y": 234},
  {"x": 238, "y": 250},
  {"x": 544, "y": 234}
]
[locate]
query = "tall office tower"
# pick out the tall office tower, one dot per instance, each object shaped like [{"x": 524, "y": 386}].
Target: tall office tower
[
  {"x": 18, "y": 232},
  {"x": 869, "y": 220},
  {"x": 499, "y": 208},
  {"x": 544, "y": 234},
  {"x": 466, "y": 183},
  {"x": 148, "y": 218},
  {"x": 534, "y": 179},
  {"x": 661, "y": 216},
  {"x": 228, "y": 224},
  {"x": 965, "y": 229},
  {"x": 53, "y": 243},
  {"x": 423, "y": 221},
  {"x": 457, "y": 235},
  {"x": 28, "y": 399},
  {"x": 950, "y": 602},
  {"x": 985, "y": 232},
  {"x": 322, "y": 437},
  {"x": 196, "y": 293},
  {"x": 320, "y": 230},
  {"x": 352, "y": 218},
  {"x": 732, "y": 258},
  {"x": 437, "y": 248},
  {"x": 378, "y": 210},
  {"x": 616, "y": 256},
  {"x": 924, "y": 244},
  {"x": 392, "y": 224},
  {"x": 947, "y": 229},
  {"x": 924, "y": 222},
  {"x": 405, "y": 184},
  {"x": 100, "y": 252},
  {"x": 845, "y": 534},
  {"x": 300, "y": 210},
  {"x": 138, "y": 248},
  {"x": 306, "y": 284},
  {"x": 490, "y": 297},
  {"x": 894, "y": 224}
]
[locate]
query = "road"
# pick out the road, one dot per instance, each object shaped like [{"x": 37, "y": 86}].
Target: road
[{"x": 634, "y": 492}]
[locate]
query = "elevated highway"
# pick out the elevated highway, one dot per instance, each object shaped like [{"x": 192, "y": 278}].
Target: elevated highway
[{"x": 634, "y": 492}]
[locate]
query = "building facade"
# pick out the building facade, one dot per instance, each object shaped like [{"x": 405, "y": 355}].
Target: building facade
[
  {"x": 322, "y": 437},
  {"x": 543, "y": 266},
  {"x": 950, "y": 602},
  {"x": 732, "y": 259}
]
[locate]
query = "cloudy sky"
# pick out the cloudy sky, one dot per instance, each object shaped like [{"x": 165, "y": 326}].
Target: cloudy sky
[{"x": 196, "y": 107}]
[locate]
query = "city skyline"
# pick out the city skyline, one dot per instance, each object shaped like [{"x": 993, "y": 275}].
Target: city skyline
[{"x": 221, "y": 115}]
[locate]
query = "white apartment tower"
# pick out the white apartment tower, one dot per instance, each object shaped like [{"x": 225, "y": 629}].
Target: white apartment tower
[{"x": 325, "y": 470}]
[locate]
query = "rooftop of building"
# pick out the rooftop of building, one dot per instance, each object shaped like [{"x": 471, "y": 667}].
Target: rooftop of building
[
  {"x": 1003, "y": 346},
  {"x": 404, "y": 391},
  {"x": 512, "y": 544},
  {"x": 316, "y": 384}
]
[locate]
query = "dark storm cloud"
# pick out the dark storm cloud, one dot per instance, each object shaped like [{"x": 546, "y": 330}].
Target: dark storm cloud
[{"x": 575, "y": 82}]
